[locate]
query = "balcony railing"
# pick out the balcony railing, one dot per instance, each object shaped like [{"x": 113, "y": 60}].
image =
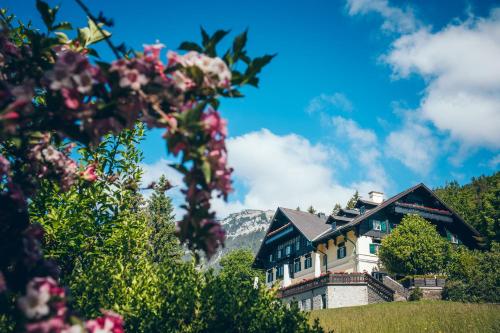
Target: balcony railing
[{"x": 338, "y": 279}]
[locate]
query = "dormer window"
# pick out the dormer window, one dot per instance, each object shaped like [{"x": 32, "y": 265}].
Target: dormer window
[
  {"x": 341, "y": 251},
  {"x": 271, "y": 257}
]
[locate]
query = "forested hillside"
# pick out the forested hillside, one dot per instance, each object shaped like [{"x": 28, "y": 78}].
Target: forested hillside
[{"x": 478, "y": 202}]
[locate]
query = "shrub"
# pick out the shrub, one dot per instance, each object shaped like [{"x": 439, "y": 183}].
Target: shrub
[
  {"x": 414, "y": 247},
  {"x": 416, "y": 294}
]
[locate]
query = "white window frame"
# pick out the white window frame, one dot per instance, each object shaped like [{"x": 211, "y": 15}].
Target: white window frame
[{"x": 377, "y": 225}]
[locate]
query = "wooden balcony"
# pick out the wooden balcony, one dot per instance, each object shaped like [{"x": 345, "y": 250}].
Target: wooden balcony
[{"x": 329, "y": 278}]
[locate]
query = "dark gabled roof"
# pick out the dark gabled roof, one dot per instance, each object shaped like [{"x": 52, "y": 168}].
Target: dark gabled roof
[
  {"x": 349, "y": 211},
  {"x": 386, "y": 203},
  {"x": 310, "y": 225},
  {"x": 365, "y": 202},
  {"x": 340, "y": 218}
]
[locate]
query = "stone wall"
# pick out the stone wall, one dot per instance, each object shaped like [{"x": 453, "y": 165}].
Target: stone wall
[
  {"x": 347, "y": 295},
  {"x": 337, "y": 296},
  {"x": 432, "y": 293},
  {"x": 374, "y": 296}
]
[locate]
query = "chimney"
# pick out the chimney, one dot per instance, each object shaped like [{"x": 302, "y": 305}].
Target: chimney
[
  {"x": 321, "y": 215},
  {"x": 377, "y": 197}
]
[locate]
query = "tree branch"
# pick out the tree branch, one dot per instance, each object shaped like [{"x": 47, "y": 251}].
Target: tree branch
[{"x": 106, "y": 38}]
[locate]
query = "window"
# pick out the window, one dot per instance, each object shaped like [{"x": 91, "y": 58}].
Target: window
[
  {"x": 271, "y": 257},
  {"x": 308, "y": 261},
  {"x": 279, "y": 271},
  {"x": 374, "y": 248},
  {"x": 323, "y": 301},
  {"x": 452, "y": 237},
  {"x": 288, "y": 250},
  {"x": 296, "y": 265},
  {"x": 377, "y": 225},
  {"x": 270, "y": 275},
  {"x": 341, "y": 251},
  {"x": 297, "y": 244},
  {"x": 324, "y": 260},
  {"x": 279, "y": 254}
]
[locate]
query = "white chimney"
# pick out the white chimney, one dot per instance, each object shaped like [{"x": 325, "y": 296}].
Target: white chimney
[
  {"x": 376, "y": 197},
  {"x": 286, "y": 276},
  {"x": 317, "y": 264}
]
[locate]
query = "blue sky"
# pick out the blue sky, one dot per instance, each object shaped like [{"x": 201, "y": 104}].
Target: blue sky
[{"x": 367, "y": 95}]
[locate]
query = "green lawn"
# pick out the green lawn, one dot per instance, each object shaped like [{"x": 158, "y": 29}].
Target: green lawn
[{"x": 424, "y": 316}]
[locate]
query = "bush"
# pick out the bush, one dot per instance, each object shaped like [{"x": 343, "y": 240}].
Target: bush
[
  {"x": 473, "y": 276},
  {"x": 414, "y": 247},
  {"x": 416, "y": 294}
]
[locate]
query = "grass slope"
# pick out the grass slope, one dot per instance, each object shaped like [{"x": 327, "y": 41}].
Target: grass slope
[{"x": 424, "y": 316}]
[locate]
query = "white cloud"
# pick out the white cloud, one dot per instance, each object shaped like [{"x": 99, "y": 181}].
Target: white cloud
[
  {"x": 494, "y": 161},
  {"x": 395, "y": 19},
  {"x": 284, "y": 171},
  {"x": 414, "y": 145},
  {"x": 364, "y": 148},
  {"x": 324, "y": 102},
  {"x": 460, "y": 65}
]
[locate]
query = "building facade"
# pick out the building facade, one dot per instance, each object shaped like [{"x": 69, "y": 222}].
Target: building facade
[{"x": 319, "y": 261}]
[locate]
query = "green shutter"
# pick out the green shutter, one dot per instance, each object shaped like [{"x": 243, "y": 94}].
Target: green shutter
[
  {"x": 373, "y": 249},
  {"x": 370, "y": 224},
  {"x": 383, "y": 226},
  {"x": 448, "y": 235}
]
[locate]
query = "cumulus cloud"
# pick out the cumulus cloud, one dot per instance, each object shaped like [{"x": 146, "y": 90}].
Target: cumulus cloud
[
  {"x": 395, "y": 19},
  {"x": 363, "y": 146},
  {"x": 414, "y": 145},
  {"x": 325, "y": 102},
  {"x": 284, "y": 171},
  {"x": 460, "y": 65}
]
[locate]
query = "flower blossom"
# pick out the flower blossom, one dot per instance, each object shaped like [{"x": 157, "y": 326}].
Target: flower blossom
[
  {"x": 109, "y": 323},
  {"x": 73, "y": 75},
  {"x": 89, "y": 173},
  {"x": 39, "y": 291},
  {"x": 216, "y": 73}
]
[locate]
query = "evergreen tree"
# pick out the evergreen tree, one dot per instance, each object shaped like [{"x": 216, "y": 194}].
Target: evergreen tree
[
  {"x": 311, "y": 210},
  {"x": 352, "y": 202},
  {"x": 165, "y": 245},
  {"x": 478, "y": 203},
  {"x": 336, "y": 209},
  {"x": 297, "y": 209}
]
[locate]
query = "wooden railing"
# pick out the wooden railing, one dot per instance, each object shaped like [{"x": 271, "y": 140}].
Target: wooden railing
[{"x": 338, "y": 279}]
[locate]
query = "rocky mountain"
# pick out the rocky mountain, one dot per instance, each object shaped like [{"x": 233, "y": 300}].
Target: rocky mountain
[{"x": 244, "y": 229}]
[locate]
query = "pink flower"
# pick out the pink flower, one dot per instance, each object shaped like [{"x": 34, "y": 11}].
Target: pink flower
[
  {"x": 214, "y": 124},
  {"x": 133, "y": 79},
  {"x": 71, "y": 98},
  {"x": 35, "y": 304},
  {"x": 52, "y": 325},
  {"x": 89, "y": 173},
  {"x": 153, "y": 50},
  {"x": 109, "y": 323}
]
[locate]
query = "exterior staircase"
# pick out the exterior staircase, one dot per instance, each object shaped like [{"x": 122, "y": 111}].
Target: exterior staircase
[{"x": 400, "y": 292}]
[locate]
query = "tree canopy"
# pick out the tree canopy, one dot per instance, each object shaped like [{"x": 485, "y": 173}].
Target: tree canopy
[{"x": 414, "y": 247}]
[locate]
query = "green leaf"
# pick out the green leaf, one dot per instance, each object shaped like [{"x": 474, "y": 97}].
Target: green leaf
[
  {"x": 62, "y": 26},
  {"x": 46, "y": 12},
  {"x": 190, "y": 46},
  {"x": 206, "y": 169},
  {"x": 63, "y": 38},
  {"x": 239, "y": 43},
  {"x": 205, "y": 37}
]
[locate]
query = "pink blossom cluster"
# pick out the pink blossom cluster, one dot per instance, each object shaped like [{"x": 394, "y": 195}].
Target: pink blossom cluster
[
  {"x": 73, "y": 76},
  {"x": 215, "y": 71},
  {"x": 44, "y": 305}
]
